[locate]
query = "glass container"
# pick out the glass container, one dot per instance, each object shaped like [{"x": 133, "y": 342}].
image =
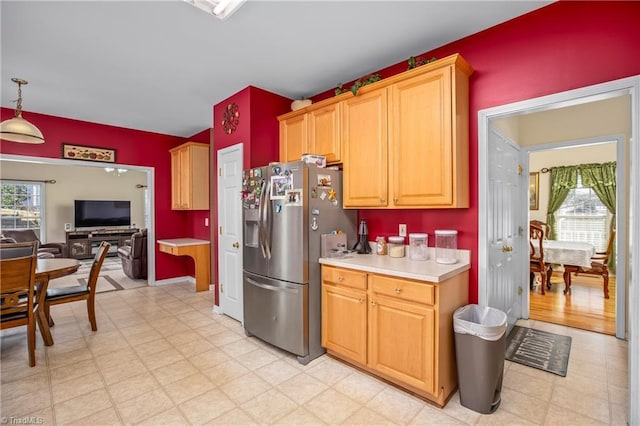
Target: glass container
[
  {"x": 446, "y": 246},
  {"x": 396, "y": 246},
  {"x": 381, "y": 246},
  {"x": 418, "y": 246}
]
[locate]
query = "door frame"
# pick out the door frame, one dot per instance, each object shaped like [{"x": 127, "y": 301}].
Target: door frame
[
  {"x": 149, "y": 198},
  {"x": 626, "y": 86}
]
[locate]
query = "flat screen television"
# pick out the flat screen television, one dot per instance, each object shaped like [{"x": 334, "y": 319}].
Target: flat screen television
[{"x": 101, "y": 213}]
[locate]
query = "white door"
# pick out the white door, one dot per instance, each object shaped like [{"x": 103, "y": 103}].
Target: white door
[
  {"x": 229, "y": 161},
  {"x": 505, "y": 230}
]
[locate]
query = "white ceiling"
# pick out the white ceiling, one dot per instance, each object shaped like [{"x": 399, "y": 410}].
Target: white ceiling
[{"x": 160, "y": 66}]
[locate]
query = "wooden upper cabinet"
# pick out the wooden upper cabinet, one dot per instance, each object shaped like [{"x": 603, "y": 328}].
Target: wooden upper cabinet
[
  {"x": 190, "y": 176},
  {"x": 421, "y": 145},
  {"x": 364, "y": 137},
  {"x": 324, "y": 132},
  {"x": 293, "y": 138}
]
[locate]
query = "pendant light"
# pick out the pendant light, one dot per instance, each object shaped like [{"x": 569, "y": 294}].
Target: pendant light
[{"x": 17, "y": 129}]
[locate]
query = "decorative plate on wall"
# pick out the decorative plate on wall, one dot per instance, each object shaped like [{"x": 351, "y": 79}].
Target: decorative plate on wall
[{"x": 231, "y": 118}]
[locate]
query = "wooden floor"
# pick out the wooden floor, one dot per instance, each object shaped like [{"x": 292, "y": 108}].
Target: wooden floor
[{"x": 585, "y": 307}]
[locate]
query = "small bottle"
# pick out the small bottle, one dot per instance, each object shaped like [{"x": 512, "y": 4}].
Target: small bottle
[{"x": 381, "y": 246}]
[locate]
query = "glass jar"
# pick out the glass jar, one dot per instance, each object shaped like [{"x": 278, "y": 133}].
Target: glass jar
[
  {"x": 381, "y": 246},
  {"x": 446, "y": 246},
  {"x": 396, "y": 246},
  {"x": 418, "y": 246}
]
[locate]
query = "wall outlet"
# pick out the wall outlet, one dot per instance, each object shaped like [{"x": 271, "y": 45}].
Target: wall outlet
[
  {"x": 402, "y": 230},
  {"x": 206, "y": 221}
]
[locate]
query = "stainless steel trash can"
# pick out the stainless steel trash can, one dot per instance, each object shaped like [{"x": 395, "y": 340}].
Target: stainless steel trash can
[{"x": 480, "y": 342}]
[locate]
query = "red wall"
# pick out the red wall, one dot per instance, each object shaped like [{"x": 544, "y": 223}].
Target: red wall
[
  {"x": 257, "y": 130},
  {"x": 560, "y": 47},
  {"x": 133, "y": 147}
]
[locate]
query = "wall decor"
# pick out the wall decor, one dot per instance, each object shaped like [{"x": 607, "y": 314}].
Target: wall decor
[
  {"x": 534, "y": 189},
  {"x": 88, "y": 153},
  {"x": 231, "y": 118}
]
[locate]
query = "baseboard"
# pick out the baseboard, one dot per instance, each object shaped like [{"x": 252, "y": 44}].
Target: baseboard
[{"x": 175, "y": 280}]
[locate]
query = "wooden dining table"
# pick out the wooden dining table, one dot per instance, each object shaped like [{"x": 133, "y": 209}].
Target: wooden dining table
[
  {"x": 46, "y": 270},
  {"x": 567, "y": 253}
]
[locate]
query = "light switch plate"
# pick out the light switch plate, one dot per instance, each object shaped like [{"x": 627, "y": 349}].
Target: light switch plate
[{"x": 402, "y": 230}]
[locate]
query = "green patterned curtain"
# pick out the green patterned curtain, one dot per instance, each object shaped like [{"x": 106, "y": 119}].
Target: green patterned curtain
[
  {"x": 602, "y": 179},
  {"x": 563, "y": 179}
]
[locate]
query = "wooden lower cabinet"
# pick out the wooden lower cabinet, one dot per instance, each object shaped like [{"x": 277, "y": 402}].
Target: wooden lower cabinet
[{"x": 398, "y": 329}]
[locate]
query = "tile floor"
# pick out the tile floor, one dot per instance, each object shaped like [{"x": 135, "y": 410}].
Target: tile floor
[{"x": 162, "y": 357}]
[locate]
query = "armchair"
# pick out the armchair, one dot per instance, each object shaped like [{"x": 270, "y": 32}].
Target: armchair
[
  {"x": 28, "y": 235},
  {"x": 134, "y": 256}
]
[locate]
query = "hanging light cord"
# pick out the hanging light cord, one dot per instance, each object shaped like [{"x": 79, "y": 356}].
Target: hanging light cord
[{"x": 18, "y": 101}]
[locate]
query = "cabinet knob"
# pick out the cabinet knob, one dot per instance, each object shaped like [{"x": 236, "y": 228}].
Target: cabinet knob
[
  {"x": 398, "y": 290},
  {"x": 383, "y": 200},
  {"x": 373, "y": 303},
  {"x": 360, "y": 300},
  {"x": 340, "y": 278}
]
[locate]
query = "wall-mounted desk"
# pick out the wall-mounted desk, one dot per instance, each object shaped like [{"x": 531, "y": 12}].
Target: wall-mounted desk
[{"x": 197, "y": 249}]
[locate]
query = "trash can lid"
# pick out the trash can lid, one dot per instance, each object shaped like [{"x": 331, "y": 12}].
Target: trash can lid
[{"x": 483, "y": 321}]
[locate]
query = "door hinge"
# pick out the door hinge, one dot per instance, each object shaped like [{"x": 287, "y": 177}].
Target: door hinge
[
  {"x": 219, "y": 171},
  {"x": 519, "y": 290},
  {"x": 519, "y": 169},
  {"x": 221, "y": 230},
  {"x": 520, "y": 231}
]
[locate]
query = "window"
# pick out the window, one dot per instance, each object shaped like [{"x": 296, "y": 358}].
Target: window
[
  {"x": 22, "y": 206},
  {"x": 583, "y": 217}
]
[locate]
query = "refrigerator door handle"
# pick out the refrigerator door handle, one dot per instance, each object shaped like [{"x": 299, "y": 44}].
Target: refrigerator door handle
[
  {"x": 261, "y": 219},
  {"x": 266, "y": 216},
  {"x": 272, "y": 287}
]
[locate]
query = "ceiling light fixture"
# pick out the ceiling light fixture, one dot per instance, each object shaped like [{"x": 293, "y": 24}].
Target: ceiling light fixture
[
  {"x": 222, "y": 9},
  {"x": 115, "y": 171},
  {"x": 17, "y": 129}
]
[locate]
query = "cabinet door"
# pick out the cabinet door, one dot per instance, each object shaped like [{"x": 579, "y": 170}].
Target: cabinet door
[
  {"x": 402, "y": 341},
  {"x": 420, "y": 141},
  {"x": 344, "y": 322},
  {"x": 179, "y": 178},
  {"x": 190, "y": 177},
  {"x": 364, "y": 135},
  {"x": 293, "y": 138},
  {"x": 324, "y": 132}
]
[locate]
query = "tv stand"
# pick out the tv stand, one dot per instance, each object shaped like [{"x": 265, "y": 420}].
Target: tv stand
[{"x": 84, "y": 244}]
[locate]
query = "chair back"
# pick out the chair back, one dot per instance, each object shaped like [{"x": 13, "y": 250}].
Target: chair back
[
  {"x": 545, "y": 227},
  {"x": 21, "y": 235},
  {"x": 17, "y": 279},
  {"x": 605, "y": 255},
  {"x": 536, "y": 236},
  {"x": 98, "y": 259}
]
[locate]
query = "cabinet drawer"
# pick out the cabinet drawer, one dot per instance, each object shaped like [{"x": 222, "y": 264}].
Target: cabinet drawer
[
  {"x": 168, "y": 249},
  {"x": 345, "y": 277},
  {"x": 403, "y": 289}
]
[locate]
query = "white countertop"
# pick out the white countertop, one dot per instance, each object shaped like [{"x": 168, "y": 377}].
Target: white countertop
[
  {"x": 422, "y": 270},
  {"x": 177, "y": 242}
]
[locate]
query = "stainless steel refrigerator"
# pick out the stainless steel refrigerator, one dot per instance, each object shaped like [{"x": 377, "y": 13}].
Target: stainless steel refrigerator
[{"x": 286, "y": 209}]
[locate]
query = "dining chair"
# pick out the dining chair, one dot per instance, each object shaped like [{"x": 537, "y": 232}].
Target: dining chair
[
  {"x": 536, "y": 258},
  {"x": 17, "y": 290},
  {"x": 545, "y": 227},
  {"x": 598, "y": 266},
  {"x": 56, "y": 296}
]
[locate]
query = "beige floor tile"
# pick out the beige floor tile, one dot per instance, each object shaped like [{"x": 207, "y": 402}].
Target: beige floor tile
[
  {"x": 183, "y": 337},
  {"x": 522, "y": 405},
  {"x": 43, "y": 417},
  {"x": 14, "y": 370},
  {"x": 360, "y": 387},
  {"x": 101, "y": 345},
  {"x": 277, "y": 372},
  {"x": 26, "y": 403},
  {"x": 37, "y": 382},
  {"x": 75, "y": 387},
  {"x": 330, "y": 371},
  {"x": 208, "y": 359},
  {"x": 256, "y": 359},
  {"x": 194, "y": 347},
  {"x": 581, "y": 383},
  {"x": 176, "y": 371},
  {"x": 233, "y": 417},
  {"x": 301, "y": 388},
  {"x": 143, "y": 337},
  {"x": 245, "y": 388},
  {"x": 560, "y": 416},
  {"x": 149, "y": 348},
  {"x": 132, "y": 387},
  {"x": 528, "y": 385},
  {"x": 268, "y": 407},
  {"x": 237, "y": 348},
  {"x": 504, "y": 417},
  {"x": 332, "y": 407},
  {"x": 68, "y": 358},
  {"x": 172, "y": 417},
  {"x": 188, "y": 387},
  {"x": 300, "y": 417},
  {"x": 211, "y": 329},
  {"x": 225, "y": 372},
  {"x": 533, "y": 372},
  {"x": 458, "y": 411},
  {"x": 194, "y": 319},
  {"x": 138, "y": 329},
  {"x": 116, "y": 358},
  {"x": 206, "y": 407},
  {"x": 580, "y": 402},
  {"x": 224, "y": 337},
  {"x": 618, "y": 395},
  {"x": 365, "y": 417},
  {"x": 82, "y": 406},
  {"x": 162, "y": 359},
  {"x": 619, "y": 414},
  {"x": 430, "y": 415},
  {"x": 395, "y": 404},
  {"x": 69, "y": 372},
  {"x": 144, "y": 406},
  {"x": 118, "y": 373},
  {"x": 105, "y": 417}
]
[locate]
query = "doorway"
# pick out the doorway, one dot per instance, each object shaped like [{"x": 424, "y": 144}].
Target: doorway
[{"x": 628, "y": 230}]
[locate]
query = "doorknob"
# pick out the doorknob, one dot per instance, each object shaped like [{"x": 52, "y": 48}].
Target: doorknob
[
  {"x": 507, "y": 249},
  {"x": 236, "y": 245}
]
